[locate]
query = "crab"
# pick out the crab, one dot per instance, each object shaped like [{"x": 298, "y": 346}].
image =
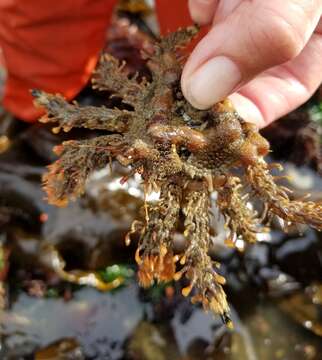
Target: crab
[{"x": 184, "y": 154}]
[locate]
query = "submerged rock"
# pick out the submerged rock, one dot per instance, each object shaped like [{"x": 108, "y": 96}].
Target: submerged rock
[
  {"x": 152, "y": 342},
  {"x": 65, "y": 349},
  {"x": 305, "y": 308}
]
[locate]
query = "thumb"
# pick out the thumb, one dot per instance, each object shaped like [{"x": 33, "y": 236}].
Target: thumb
[
  {"x": 255, "y": 36},
  {"x": 202, "y": 11}
]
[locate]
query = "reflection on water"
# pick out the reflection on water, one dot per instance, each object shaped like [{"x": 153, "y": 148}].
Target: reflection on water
[
  {"x": 100, "y": 322},
  {"x": 121, "y": 326}
]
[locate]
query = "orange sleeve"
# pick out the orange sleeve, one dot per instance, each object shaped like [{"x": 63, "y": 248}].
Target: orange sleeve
[
  {"x": 51, "y": 45},
  {"x": 172, "y": 14}
]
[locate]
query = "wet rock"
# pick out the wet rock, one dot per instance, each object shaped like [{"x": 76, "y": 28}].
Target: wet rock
[
  {"x": 300, "y": 257},
  {"x": 192, "y": 327},
  {"x": 21, "y": 201},
  {"x": 65, "y": 349},
  {"x": 4, "y": 268},
  {"x": 296, "y": 138},
  {"x": 90, "y": 232},
  {"x": 85, "y": 238},
  {"x": 8, "y": 127},
  {"x": 305, "y": 308},
  {"x": 257, "y": 256},
  {"x": 41, "y": 141},
  {"x": 99, "y": 322},
  {"x": 152, "y": 342},
  {"x": 281, "y": 284}
]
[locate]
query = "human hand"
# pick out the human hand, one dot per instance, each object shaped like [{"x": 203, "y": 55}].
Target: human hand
[{"x": 265, "y": 55}]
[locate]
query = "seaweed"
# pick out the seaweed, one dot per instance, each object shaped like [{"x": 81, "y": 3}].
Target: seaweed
[{"x": 183, "y": 153}]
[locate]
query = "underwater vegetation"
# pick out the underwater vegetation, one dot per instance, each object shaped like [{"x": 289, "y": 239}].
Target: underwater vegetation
[{"x": 180, "y": 152}]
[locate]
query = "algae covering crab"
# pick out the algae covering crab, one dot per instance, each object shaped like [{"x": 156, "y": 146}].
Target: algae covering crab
[{"x": 183, "y": 153}]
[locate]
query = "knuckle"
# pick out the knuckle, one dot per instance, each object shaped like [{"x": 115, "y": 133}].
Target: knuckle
[
  {"x": 281, "y": 37},
  {"x": 286, "y": 39},
  {"x": 201, "y": 10}
]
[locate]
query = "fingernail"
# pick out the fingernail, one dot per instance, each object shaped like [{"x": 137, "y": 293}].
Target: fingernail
[{"x": 214, "y": 81}]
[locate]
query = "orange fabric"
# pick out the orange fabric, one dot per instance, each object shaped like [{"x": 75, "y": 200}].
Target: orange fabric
[
  {"x": 172, "y": 14},
  {"x": 51, "y": 45},
  {"x": 54, "y": 45}
]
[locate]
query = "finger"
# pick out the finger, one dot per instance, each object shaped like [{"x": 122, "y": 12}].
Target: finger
[
  {"x": 202, "y": 11},
  {"x": 283, "y": 88},
  {"x": 256, "y": 36}
]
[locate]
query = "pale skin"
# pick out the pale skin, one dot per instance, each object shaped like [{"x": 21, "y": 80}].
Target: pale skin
[{"x": 266, "y": 55}]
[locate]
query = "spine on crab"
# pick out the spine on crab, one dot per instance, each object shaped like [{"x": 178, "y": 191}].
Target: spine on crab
[
  {"x": 179, "y": 38},
  {"x": 240, "y": 219},
  {"x": 155, "y": 254},
  {"x": 165, "y": 62},
  {"x": 66, "y": 177},
  {"x": 278, "y": 201},
  {"x": 110, "y": 76},
  {"x": 197, "y": 264},
  {"x": 70, "y": 116}
]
